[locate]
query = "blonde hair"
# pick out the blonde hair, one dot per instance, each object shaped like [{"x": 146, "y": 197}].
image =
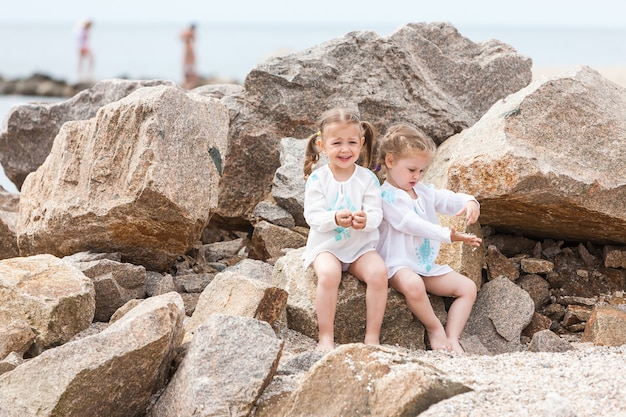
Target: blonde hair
[
  {"x": 402, "y": 139},
  {"x": 346, "y": 116}
]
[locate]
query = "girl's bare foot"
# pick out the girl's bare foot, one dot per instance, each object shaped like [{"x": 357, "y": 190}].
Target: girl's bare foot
[
  {"x": 455, "y": 346},
  {"x": 325, "y": 345},
  {"x": 372, "y": 340},
  {"x": 438, "y": 340}
]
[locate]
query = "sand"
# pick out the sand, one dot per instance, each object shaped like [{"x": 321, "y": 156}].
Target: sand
[{"x": 615, "y": 73}]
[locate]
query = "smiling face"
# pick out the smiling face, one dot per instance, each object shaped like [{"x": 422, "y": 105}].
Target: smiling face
[
  {"x": 342, "y": 145},
  {"x": 406, "y": 171}
]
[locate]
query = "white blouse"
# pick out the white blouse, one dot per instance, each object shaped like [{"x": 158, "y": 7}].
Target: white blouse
[
  {"x": 323, "y": 197},
  {"x": 410, "y": 233}
]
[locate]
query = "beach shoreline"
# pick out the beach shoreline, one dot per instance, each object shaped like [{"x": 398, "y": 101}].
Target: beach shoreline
[{"x": 615, "y": 73}]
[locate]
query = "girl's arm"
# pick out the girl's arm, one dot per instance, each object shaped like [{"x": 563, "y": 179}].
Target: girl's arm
[
  {"x": 399, "y": 212},
  {"x": 316, "y": 212},
  {"x": 372, "y": 205},
  {"x": 471, "y": 209},
  {"x": 451, "y": 203}
]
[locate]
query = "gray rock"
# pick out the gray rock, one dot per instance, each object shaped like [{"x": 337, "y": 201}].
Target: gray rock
[
  {"x": 229, "y": 362},
  {"x": 548, "y": 341},
  {"x": 220, "y": 250},
  {"x": 254, "y": 269},
  {"x": 502, "y": 310},
  {"x": 274, "y": 214}
]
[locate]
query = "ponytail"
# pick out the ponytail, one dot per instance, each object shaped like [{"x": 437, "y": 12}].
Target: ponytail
[
  {"x": 369, "y": 147},
  {"x": 311, "y": 154}
]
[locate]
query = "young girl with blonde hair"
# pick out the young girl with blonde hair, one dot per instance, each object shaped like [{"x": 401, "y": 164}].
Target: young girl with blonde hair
[
  {"x": 410, "y": 235},
  {"x": 342, "y": 206}
]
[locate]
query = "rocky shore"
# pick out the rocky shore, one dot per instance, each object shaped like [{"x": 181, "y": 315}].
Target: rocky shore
[
  {"x": 150, "y": 265},
  {"x": 42, "y": 85}
]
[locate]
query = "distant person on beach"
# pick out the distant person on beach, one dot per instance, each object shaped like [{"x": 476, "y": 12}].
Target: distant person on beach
[
  {"x": 85, "y": 54},
  {"x": 188, "y": 37},
  {"x": 410, "y": 235},
  {"x": 343, "y": 209}
]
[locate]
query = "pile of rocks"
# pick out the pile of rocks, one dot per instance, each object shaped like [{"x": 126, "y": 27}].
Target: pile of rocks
[{"x": 151, "y": 264}]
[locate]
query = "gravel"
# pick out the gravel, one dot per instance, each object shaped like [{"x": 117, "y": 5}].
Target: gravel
[{"x": 587, "y": 381}]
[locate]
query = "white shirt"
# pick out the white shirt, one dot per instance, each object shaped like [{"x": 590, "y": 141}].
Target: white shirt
[
  {"x": 323, "y": 197},
  {"x": 410, "y": 233}
]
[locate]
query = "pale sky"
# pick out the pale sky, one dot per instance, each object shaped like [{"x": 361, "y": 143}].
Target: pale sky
[{"x": 458, "y": 12}]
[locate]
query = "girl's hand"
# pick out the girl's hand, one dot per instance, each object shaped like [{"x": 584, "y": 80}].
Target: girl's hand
[
  {"x": 359, "y": 219},
  {"x": 468, "y": 238},
  {"x": 471, "y": 209},
  {"x": 343, "y": 218}
]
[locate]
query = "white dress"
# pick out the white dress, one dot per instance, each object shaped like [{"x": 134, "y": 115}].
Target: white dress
[
  {"x": 323, "y": 197},
  {"x": 410, "y": 233}
]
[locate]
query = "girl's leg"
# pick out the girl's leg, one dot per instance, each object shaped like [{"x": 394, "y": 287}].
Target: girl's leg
[
  {"x": 411, "y": 285},
  {"x": 371, "y": 269},
  {"x": 464, "y": 291},
  {"x": 328, "y": 271}
]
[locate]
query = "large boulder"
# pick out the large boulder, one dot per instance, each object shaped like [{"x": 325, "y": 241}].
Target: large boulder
[
  {"x": 139, "y": 179},
  {"x": 362, "y": 380},
  {"x": 427, "y": 74},
  {"x": 547, "y": 161},
  {"x": 27, "y": 136}
]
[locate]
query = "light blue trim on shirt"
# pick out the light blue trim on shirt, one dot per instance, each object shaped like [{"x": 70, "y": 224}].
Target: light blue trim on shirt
[
  {"x": 389, "y": 196},
  {"x": 425, "y": 255}
]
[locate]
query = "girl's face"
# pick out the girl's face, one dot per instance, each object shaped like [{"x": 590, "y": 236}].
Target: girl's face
[
  {"x": 342, "y": 145},
  {"x": 406, "y": 171}
]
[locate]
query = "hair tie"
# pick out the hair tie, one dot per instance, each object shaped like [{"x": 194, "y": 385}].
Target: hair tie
[
  {"x": 319, "y": 133},
  {"x": 377, "y": 168}
]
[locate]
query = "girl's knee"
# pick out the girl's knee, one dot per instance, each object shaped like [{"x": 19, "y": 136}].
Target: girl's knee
[
  {"x": 416, "y": 290},
  {"x": 468, "y": 289},
  {"x": 379, "y": 271},
  {"x": 377, "y": 280},
  {"x": 328, "y": 280},
  {"x": 373, "y": 273}
]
